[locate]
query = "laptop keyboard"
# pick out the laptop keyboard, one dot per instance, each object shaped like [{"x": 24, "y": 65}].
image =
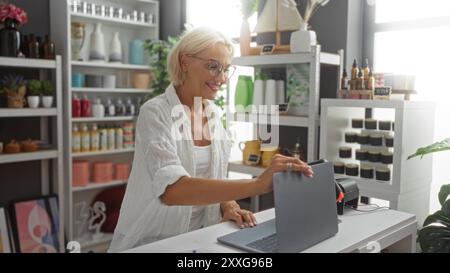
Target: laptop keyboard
[{"x": 266, "y": 244}]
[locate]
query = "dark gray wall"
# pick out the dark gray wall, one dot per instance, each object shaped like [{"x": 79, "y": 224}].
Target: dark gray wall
[
  {"x": 38, "y": 16},
  {"x": 172, "y": 17}
]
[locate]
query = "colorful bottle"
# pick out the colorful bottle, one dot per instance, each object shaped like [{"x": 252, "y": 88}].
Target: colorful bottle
[
  {"x": 103, "y": 138},
  {"x": 111, "y": 138},
  {"x": 119, "y": 137},
  {"x": 76, "y": 140},
  {"x": 85, "y": 139},
  {"x": 76, "y": 107},
  {"x": 85, "y": 107},
  {"x": 95, "y": 138}
]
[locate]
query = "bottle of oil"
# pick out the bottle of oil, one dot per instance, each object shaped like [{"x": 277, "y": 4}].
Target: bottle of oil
[
  {"x": 371, "y": 82},
  {"x": 344, "y": 80},
  {"x": 360, "y": 81},
  {"x": 355, "y": 70},
  {"x": 366, "y": 70}
]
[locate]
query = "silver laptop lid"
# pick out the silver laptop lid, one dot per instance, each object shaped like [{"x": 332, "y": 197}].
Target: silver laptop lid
[{"x": 305, "y": 208}]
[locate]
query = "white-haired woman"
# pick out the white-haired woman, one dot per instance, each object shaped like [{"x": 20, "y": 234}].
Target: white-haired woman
[{"x": 177, "y": 183}]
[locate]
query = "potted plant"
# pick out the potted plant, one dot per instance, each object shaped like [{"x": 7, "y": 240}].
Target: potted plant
[
  {"x": 158, "y": 52},
  {"x": 302, "y": 39},
  {"x": 33, "y": 93},
  {"x": 14, "y": 88},
  {"x": 48, "y": 89},
  {"x": 434, "y": 237}
]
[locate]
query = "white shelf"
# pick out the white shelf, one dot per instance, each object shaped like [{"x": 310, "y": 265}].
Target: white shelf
[
  {"x": 110, "y": 65},
  {"x": 111, "y": 21},
  {"x": 239, "y": 167},
  {"x": 109, "y": 91},
  {"x": 283, "y": 120},
  {"x": 27, "y": 112},
  {"x": 104, "y": 119},
  {"x": 32, "y": 156},
  {"x": 281, "y": 60},
  {"x": 94, "y": 186},
  {"x": 122, "y": 151},
  {"x": 27, "y": 63},
  {"x": 389, "y": 104}
]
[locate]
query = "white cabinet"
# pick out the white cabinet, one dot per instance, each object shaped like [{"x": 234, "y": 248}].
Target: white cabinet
[
  {"x": 409, "y": 186},
  {"x": 51, "y": 159},
  {"x": 63, "y": 15}
]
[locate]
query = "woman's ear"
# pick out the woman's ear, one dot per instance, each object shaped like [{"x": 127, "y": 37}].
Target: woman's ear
[{"x": 184, "y": 63}]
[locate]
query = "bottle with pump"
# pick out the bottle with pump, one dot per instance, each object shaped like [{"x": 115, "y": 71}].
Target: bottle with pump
[
  {"x": 85, "y": 107},
  {"x": 98, "y": 109},
  {"x": 110, "y": 108},
  {"x": 95, "y": 138},
  {"x": 76, "y": 140},
  {"x": 130, "y": 108},
  {"x": 85, "y": 139},
  {"x": 120, "y": 108},
  {"x": 76, "y": 106}
]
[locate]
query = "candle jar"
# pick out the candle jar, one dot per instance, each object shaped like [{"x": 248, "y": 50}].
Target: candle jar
[
  {"x": 352, "y": 170},
  {"x": 367, "y": 172},
  {"x": 339, "y": 167},
  {"x": 345, "y": 152}
]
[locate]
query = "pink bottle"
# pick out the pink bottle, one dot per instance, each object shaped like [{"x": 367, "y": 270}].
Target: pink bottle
[
  {"x": 85, "y": 107},
  {"x": 76, "y": 107}
]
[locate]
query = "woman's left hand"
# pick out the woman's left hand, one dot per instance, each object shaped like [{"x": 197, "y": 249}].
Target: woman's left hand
[{"x": 243, "y": 218}]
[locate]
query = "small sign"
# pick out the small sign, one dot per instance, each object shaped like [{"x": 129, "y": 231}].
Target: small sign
[
  {"x": 382, "y": 93},
  {"x": 267, "y": 49}
]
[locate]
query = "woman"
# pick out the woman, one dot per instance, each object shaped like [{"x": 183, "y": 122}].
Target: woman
[{"x": 177, "y": 183}]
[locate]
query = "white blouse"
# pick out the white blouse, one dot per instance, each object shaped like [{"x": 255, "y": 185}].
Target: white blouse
[
  {"x": 202, "y": 157},
  {"x": 164, "y": 152}
]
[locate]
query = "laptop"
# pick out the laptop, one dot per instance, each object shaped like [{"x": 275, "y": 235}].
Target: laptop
[{"x": 305, "y": 214}]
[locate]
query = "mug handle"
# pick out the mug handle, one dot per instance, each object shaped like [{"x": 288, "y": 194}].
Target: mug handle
[{"x": 240, "y": 146}]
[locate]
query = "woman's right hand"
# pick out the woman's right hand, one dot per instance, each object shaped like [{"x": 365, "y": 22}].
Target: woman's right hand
[{"x": 281, "y": 163}]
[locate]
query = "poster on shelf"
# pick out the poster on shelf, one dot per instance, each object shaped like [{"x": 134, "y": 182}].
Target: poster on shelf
[{"x": 35, "y": 224}]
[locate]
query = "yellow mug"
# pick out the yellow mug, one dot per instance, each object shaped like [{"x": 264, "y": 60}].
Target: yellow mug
[
  {"x": 251, "y": 154},
  {"x": 267, "y": 154}
]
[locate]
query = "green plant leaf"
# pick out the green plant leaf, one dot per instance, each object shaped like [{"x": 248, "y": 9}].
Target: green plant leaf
[
  {"x": 433, "y": 148},
  {"x": 444, "y": 194}
]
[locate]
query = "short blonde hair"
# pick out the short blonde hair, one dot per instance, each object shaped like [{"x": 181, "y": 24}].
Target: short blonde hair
[{"x": 193, "y": 42}]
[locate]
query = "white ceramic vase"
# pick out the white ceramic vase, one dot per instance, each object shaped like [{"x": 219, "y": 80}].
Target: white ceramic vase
[
  {"x": 47, "y": 101},
  {"x": 33, "y": 101},
  {"x": 302, "y": 40},
  {"x": 97, "y": 48},
  {"x": 115, "y": 53}
]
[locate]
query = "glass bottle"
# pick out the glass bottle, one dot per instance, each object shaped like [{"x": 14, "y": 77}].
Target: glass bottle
[
  {"x": 297, "y": 152},
  {"x": 344, "y": 80},
  {"x": 33, "y": 47},
  {"x": 355, "y": 70},
  {"x": 48, "y": 49},
  {"x": 366, "y": 70},
  {"x": 360, "y": 81}
]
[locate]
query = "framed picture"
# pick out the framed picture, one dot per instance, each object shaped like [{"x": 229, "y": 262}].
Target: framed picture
[
  {"x": 35, "y": 224},
  {"x": 5, "y": 245}
]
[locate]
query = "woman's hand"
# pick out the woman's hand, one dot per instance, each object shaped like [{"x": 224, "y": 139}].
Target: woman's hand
[
  {"x": 281, "y": 163},
  {"x": 231, "y": 211}
]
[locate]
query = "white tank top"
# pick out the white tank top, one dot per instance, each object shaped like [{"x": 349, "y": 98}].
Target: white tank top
[{"x": 202, "y": 157}]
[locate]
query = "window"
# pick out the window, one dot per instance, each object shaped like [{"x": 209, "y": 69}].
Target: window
[{"x": 413, "y": 37}]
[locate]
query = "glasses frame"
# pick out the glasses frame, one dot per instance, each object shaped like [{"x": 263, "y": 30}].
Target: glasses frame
[{"x": 221, "y": 69}]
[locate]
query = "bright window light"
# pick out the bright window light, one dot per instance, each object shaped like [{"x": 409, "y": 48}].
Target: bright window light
[{"x": 402, "y": 10}]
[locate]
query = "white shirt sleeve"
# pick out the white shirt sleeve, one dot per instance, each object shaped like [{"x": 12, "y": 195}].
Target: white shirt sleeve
[{"x": 160, "y": 149}]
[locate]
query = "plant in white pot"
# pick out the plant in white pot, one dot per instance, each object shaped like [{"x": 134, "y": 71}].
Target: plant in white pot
[
  {"x": 34, "y": 91},
  {"x": 48, "y": 89},
  {"x": 303, "y": 39}
]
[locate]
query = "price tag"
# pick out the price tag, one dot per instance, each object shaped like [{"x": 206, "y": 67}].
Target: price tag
[{"x": 267, "y": 49}]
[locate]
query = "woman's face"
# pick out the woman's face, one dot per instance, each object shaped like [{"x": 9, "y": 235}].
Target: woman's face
[{"x": 204, "y": 71}]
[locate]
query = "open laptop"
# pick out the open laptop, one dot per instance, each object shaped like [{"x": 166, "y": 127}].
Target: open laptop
[{"x": 305, "y": 214}]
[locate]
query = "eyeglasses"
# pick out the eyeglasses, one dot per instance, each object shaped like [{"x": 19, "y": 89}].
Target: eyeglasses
[{"x": 215, "y": 67}]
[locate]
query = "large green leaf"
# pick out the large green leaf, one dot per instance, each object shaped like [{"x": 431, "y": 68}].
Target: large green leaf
[
  {"x": 435, "y": 238},
  {"x": 433, "y": 148},
  {"x": 444, "y": 194}
]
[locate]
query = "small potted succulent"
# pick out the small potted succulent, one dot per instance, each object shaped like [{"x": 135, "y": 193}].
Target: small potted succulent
[
  {"x": 33, "y": 93},
  {"x": 14, "y": 87},
  {"x": 48, "y": 89}
]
